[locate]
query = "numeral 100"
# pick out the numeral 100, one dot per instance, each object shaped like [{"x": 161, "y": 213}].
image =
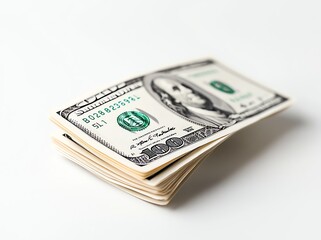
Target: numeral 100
[{"x": 161, "y": 148}]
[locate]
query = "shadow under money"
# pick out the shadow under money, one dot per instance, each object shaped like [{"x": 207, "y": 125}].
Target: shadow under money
[{"x": 243, "y": 147}]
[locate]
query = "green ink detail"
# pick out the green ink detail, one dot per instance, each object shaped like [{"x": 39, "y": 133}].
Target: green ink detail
[
  {"x": 241, "y": 97},
  {"x": 222, "y": 87},
  {"x": 201, "y": 74},
  {"x": 133, "y": 121}
]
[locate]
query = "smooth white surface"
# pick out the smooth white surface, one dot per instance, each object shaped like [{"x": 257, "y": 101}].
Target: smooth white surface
[{"x": 263, "y": 183}]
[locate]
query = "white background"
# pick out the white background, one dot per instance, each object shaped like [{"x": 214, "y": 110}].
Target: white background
[{"x": 263, "y": 183}]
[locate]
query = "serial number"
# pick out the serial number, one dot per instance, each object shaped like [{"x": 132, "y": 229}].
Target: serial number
[{"x": 113, "y": 107}]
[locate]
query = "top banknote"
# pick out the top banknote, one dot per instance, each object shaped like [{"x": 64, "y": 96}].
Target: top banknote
[{"x": 143, "y": 124}]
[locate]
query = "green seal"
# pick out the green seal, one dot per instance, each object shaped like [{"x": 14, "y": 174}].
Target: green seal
[
  {"x": 133, "y": 121},
  {"x": 222, "y": 87}
]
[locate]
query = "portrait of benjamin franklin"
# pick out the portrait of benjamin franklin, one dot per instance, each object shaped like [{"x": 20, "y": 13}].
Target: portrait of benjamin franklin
[{"x": 189, "y": 100}]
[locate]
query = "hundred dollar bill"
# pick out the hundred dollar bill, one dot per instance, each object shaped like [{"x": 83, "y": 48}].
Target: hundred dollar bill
[{"x": 145, "y": 123}]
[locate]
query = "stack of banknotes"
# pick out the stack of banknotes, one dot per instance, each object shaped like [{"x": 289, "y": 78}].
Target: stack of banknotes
[{"x": 147, "y": 134}]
